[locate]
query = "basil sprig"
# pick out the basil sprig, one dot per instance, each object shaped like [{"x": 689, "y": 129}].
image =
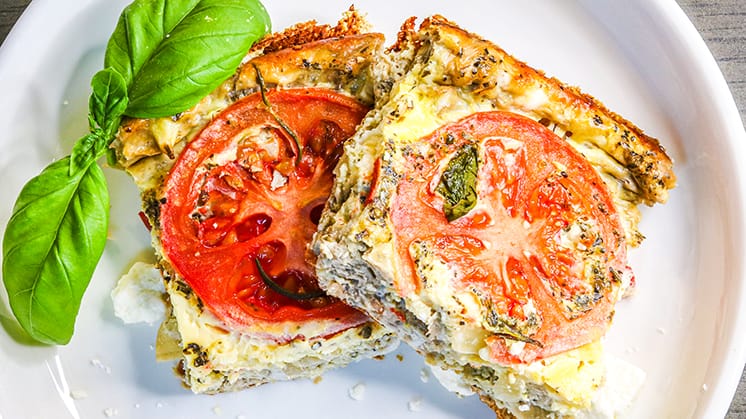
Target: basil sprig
[
  {"x": 106, "y": 107},
  {"x": 163, "y": 57},
  {"x": 458, "y": 184}
]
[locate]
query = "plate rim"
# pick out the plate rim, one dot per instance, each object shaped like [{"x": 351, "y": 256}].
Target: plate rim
[{"x": 723, "y": 389}]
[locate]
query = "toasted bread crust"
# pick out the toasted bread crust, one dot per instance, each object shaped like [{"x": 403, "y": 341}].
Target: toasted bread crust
[
  {"x": 338, "y": 63},
  {"x": 500, "y": 413},
  {"x": 352, "y": 23}
]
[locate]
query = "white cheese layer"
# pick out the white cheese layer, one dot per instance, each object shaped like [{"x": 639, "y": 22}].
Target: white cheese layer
[
  {"x": 221, "y": 360},
  {"x": 138, "y": 295}
]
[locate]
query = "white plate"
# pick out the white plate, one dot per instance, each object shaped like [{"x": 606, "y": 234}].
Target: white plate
[{"x": 642, "y": 58}]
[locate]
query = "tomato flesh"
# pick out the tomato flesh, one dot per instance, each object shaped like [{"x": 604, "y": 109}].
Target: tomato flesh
[
  {"x": 242, "y": 193},
  {"x": 542, "y": 250}
]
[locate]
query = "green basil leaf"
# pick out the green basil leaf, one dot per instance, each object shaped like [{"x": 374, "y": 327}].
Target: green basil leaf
[
  {"x": 85, "y": 151},
  {"x": 107, "y": 103},
  {"x": 51, "y": 246},
  {"x": 172, "y": 53},
  {"x": 458, "y": 184}
]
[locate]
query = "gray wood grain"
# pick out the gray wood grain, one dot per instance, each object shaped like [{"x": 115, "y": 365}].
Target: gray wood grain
[{"x": 722, "y": 24}]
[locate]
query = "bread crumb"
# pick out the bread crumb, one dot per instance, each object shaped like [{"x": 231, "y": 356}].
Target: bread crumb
[
  {"x": 217, "y": 410},
  {"x": 424, "y": 375},
  {"x": 415, "y": 405},
  {"x": 98, "y": 364},
  {"x": 110, "y": 412},
  {"x": 631, "y": 350},
  {"x": 78, "y": 394},
  {"x": 357, "y": 392},
  {"x": 317, "y": 380},
  {"x": 400, "y": 357}
]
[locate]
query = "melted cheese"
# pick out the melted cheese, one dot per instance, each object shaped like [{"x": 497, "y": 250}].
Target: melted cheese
[
  {"x": 356, "y": 240},
  {"x": 220, "y": 359}
]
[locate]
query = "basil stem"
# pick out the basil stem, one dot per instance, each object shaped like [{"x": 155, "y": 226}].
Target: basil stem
[
  {"x": 105, "y": 109},
  {"x": 263, "y": 91}
]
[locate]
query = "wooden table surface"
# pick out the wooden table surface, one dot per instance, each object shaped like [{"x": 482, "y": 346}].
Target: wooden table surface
[{"x": 722, "y": 24}]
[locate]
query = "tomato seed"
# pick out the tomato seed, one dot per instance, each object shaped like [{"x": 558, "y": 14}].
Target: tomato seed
[{"x": 254, "y": 226}]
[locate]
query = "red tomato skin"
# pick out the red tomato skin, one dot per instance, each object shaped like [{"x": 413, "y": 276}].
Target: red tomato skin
[
  {"x": 214, "y": 253},
  {"x": 532, "y": 195}
]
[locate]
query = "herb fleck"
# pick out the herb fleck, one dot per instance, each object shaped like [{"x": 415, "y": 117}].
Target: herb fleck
[{"x": 458, "y": 184}]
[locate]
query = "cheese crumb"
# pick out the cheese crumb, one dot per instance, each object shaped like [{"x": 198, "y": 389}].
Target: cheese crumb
[
  {"x": 278, "y": 180},
  {"x": 78, "y": 394},
  {"x": 137, "y": 296},
  {"x": 98, "y": 364},
  {"x": 415, "y": 405},
  {"x": 516, "y": 348},
  {"x": 623, "y": 380},
  {"x": 357, "y": 392},
  {"x": 424, "y": 375}
]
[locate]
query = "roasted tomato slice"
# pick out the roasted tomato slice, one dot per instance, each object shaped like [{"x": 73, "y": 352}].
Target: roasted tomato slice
[
  {"x": 243, "y": 202},
  {"x": 519, "y": 221}
]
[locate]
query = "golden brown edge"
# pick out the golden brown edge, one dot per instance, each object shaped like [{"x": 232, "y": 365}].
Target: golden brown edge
[
  {"x": 650, "y": 165},
  {"x": 351, "y": 23}
]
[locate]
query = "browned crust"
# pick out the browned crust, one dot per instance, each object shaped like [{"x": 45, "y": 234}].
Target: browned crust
[
  {"x": 641, "y": 154},
  {"x": 342, "y": 63},
  {"x": 351, "y": 23},
  {"x": 404, "y": 37},
  {"x": 500, "y": 413}
]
